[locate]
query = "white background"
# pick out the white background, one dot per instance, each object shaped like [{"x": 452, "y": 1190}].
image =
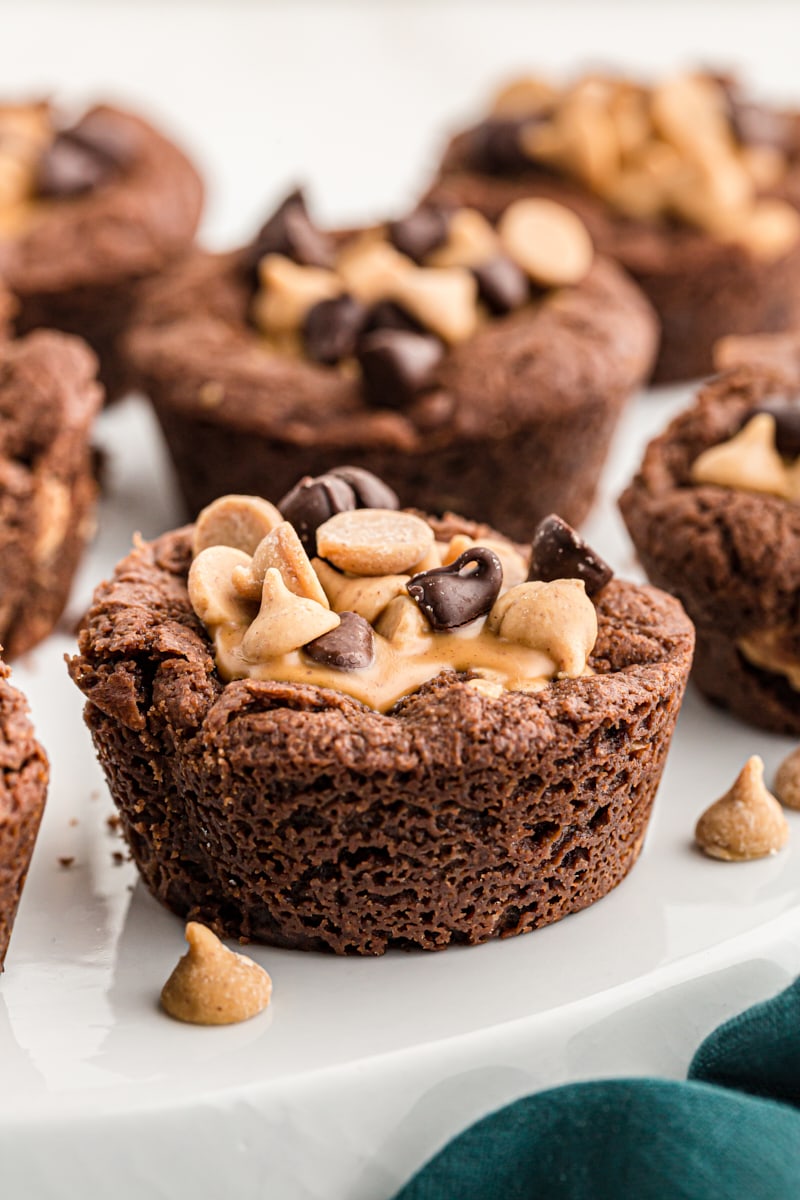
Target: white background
[{"x": 360, "y": 1069}]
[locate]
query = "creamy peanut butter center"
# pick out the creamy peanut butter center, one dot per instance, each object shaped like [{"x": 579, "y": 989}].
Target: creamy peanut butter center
[
  {"x": 388, "y": 607},
  {"x": 751, "y": 461}
]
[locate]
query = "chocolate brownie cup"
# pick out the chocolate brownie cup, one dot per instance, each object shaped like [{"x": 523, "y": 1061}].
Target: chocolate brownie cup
[
  {"x": 86, "y": 211},
  {"x": 714, "y": 512},
  {"x": 689, "y": 185},
  {"x": 23, "y": 790},
  {"x": 49, "y": 397},
  {"x": 443, "y": 353},
  {"x": 362, "y": 728}
]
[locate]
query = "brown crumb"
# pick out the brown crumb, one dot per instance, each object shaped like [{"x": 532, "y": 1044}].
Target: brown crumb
[
  {"x": 118, "y": 858},
  {"x": 66, "y": 860},
  {"x": 113, "y": 822},
  {"x": 73, "y": 821}
]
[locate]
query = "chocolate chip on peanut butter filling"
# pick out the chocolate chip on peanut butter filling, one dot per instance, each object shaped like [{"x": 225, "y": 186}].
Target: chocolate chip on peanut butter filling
[
  {"x": 388, "y": 303},
  {"x": 381, "y": 607}
]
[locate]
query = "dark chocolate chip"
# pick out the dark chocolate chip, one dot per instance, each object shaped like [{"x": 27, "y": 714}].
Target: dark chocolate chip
[
  {"x": 348, "y": 647},
  {"x": 786, "y": 411},
  {"x": 559, "y": 553},
  {"x": 397, "y": 365},
  {"x": 385, "y": 314},
  {"x": 421, "y": 232},
  {"x": 369, "y": 491},
  {"x": 291, "y": 232},
  {"x": 332, "y": 328},
  {"x": 71, "y": 166},
  {"x": 502, "y": 285},
  {"x": 311, "y": 502},
  {"x": 448, "y": 598},
  {"x": 494, "y": 146}
]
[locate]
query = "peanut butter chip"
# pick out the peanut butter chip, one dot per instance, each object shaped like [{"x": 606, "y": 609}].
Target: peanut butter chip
[
  {"x": 212, "y": 985},
  {"x": 787, "y": 780},
  {"x": 746, "y": 823},
  {"x": 289, "y": 291},
  {"x": 211, "y": 591},
  {"x": 285, "y": 622},
  {"x": 444, "y": 300},
  {"x": 470, "y": 240},
  {"x": 374, "y": 541},
  {"x": 366, "y": 596},
  {"x": 748, "y": 461},
  {"x": 371, "y": 268},
  {"x": 240, "y": 521},
  {"x": 281, "y": 548},
  {"x": 557, "y": 618},
  {"x": 548, "y": 241}
]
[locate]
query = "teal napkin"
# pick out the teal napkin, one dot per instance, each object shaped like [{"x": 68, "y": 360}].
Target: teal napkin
[{"x": 732, "y": 1132}]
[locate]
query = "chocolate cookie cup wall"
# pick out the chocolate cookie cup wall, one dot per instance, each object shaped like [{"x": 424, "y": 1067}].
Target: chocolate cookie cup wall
[
  {"x": 701, "y": 288},
  {"x": 517, "y": 427},
  {"x": 49, "y": 397},
  {"x": 732, "y": 557},
  {"x": 296, "y": 816},
  {"x": 23, "y": 789},
  {"x": 76, "y": 267}
]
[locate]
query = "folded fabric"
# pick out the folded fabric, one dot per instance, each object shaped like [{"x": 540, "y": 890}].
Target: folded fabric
[{"x": 731, "y": 1133}]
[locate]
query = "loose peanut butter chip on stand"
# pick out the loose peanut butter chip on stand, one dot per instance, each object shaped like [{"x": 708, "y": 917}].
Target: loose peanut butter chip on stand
[
  {"x": 374, "y": 541},
  {"x": 787, "y": 780},
  {"x": 212, "y": 985},
  {"x": 240, "y": 521},
  {"x": 746, "y": 823},
  {"x": 548, "y": 241}
]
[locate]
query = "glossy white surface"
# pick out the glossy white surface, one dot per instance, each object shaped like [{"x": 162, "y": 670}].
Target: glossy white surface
[{"x": 360, "y": 1068}]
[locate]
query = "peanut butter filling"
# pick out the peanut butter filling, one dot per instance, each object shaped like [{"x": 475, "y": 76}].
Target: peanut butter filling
[
  {"x": 767, "y": 650},
  {"x": 750, "y": 462},
  {"x": 274, "y": 614}
]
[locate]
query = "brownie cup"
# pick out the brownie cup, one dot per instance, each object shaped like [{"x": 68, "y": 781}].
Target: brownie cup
[
  {"x": 438, "y": 351},
  {"x": 714, "y": 512},
  {"x": 360, "y": 752},
  {"x": 87, "y": 211},
  {"x": 687, "y": 184},
  {"x": 23, "y": 789},
  {"x": 49, "y": 397}
]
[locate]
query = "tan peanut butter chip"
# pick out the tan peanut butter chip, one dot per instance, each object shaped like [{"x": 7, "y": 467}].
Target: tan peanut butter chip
[
  {"x": 285, "y": 621},
  {"x": 746, "y": 823},
  {"x": 212, "y": 985},
  {"x": 370, "y": 269},
  {"x": 283, "y": 549},
  {"x": 549, "y": 242},
  {"x": 787, "y": 780},
  {"x": 470, "y": 240},
  {"x": 444, "y": 300},
  {"x": 366, "y": 595},
  {"x": 749, "y": 461},
  {"x": 289, "y": 291},
  {"x": 210, "y": 585},
  {"x": 557, "y": 618},
  {"x": 374, "y": 541},
  {"x": 240, "y": 521}
]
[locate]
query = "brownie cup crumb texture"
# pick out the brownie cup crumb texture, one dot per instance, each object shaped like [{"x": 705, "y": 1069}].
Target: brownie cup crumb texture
[
  {"x": 48, "y": 400},
  {"x": 732, "y": 557},
  {"x": 23, "y": 786},
  {"x": 296, "y": 816}
]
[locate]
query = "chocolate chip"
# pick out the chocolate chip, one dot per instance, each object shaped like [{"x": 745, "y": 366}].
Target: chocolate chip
[
  {"x": 396, "y": 365},
  {"x": 369, "y": 491},
  {"x": 448, "y": 598},
  {"x": 290, "y": 231},
  {"x": 311, "y": 502},
  {"x": 494, "y": 146},
  {"x": 72, "y": 167},
  {"x": 502, "y": 285},
  {"x": 386, "y": 314},
  {"x": 420, "y": 233},
  {"x": 786, "y": 411},
  {"x": 332, "y": 327},
  {"x": 348, "y": 647},
  {"x": 559, "y": 553}
]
